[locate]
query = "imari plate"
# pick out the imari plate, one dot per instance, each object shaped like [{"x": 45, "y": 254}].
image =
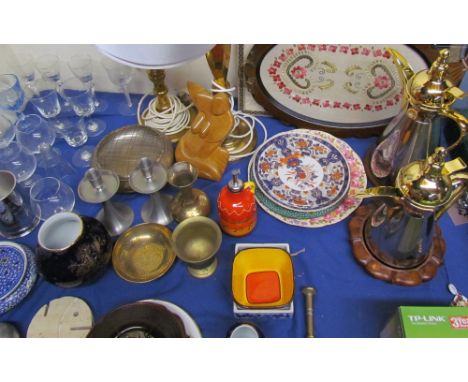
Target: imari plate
[
  {"x": 358, "y": 183},
  {"x": 12, "y": 267},
  {"x": 302, "y": 171}
]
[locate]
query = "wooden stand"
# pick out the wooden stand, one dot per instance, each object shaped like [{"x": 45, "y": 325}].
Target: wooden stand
[{"x": 406, "y": 277}]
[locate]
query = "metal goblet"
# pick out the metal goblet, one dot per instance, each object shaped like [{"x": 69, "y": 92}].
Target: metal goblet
[
  {"x": 99, "y": 186},
  {"x": 148, "y": 178}
]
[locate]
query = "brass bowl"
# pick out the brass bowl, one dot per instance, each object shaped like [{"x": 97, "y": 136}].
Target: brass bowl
[
  {"x": 122, "y": 149},
  {"x": 196, "y": 241},
  {"x": 143, "y": 253}
]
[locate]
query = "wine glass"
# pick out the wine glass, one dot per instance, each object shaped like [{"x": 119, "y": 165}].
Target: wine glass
[
  {"x": 81, "y": 65},
  {"x": 35, "y": 136},
  {"x": 7, "y": 131},
  {"x": 50, "y": 196},
  {"x": 49, "y": 67},
  {"x": 27, "y": 70},
  {"x": 46, "y": 101},
  {"x": 32, "y": 131},
  {"x": 121, "y": 75},
  {"x": 11, "y": 93},
  {"x": 12, "y": 157},
  {"x": 80, "y": 97}
]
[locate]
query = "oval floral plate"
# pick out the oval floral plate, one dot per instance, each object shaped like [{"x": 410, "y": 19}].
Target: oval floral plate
[
  {"x": 347, "y": 206},
  {"x": 301, "y": 171},
  {"x": 340, "y": 87}
]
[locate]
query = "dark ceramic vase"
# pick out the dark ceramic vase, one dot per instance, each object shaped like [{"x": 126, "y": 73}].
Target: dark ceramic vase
[{"x": 72, "y": 249}]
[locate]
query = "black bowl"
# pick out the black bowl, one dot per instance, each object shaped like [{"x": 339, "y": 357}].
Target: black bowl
[{"x": 142, "y": 319}]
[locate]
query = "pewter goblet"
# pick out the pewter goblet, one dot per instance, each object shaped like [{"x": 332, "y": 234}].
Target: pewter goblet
[
  {"x": 148, "y": 178},
  {"x": 99, "y": 186}
]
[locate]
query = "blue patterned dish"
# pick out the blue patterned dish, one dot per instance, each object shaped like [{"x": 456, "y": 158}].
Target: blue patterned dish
[
  {"x": 12, "y": 267},
  {"x": 302, "y": 172},
  {"x": 25, "y": 285}
]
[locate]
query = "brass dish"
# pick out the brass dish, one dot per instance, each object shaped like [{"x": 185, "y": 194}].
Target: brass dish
[
  {"x": 122, "y": 149},
  {"x": 143, "y": 253}
]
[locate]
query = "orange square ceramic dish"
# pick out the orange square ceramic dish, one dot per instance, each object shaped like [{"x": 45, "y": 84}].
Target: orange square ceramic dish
[{"x": 262, "y": 278}]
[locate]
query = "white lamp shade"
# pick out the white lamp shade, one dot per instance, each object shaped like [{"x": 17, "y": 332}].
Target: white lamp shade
[{"x": 154, "y": 56}]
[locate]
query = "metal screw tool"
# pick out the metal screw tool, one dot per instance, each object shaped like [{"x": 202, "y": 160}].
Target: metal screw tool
[{"x": 309, "y": 293}]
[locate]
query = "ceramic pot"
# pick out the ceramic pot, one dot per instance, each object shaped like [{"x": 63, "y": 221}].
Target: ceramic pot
[{"x": 72, "y": 249}]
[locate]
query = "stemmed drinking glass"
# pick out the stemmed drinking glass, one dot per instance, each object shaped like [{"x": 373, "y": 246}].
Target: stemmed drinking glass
[
  {"x": 121, "y": 75},
  {"x": 12, "y": 157},
  {"x": 81, "y": 65},
  {"x": 11, "y": 93},
  {"x": 49, "y": 67},
  {"x": 36, "y": 137},
  {"x": 27, "y": 71},
  {"x": 46, "y": 101},
  {"x": 80, "y": 96},
  {"x": 50, "y": 196}
]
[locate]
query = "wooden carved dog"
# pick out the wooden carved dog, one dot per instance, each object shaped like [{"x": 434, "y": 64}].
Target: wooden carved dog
[{"x": 202, "y": 145}]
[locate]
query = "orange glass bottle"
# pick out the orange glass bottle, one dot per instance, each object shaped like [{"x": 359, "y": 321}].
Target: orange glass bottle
[{"x": 236, "y": 206}]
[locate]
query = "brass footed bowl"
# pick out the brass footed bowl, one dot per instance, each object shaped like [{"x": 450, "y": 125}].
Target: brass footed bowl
[
  {"x": 196, "y": 241},
  {"x": 143, "y": 253}
]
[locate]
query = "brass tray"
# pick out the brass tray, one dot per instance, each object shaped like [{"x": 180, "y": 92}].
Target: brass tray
[
  {"x": 143, "y": 253},
  {"x": 122, "y": 149}
]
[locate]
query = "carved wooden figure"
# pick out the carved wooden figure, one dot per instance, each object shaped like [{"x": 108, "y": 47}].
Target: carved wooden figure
[{"x": 201, "y": 146}]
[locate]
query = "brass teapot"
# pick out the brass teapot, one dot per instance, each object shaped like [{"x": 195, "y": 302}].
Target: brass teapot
[
  {"x": 400, "y": 230},
  {"x": 409, "y": 136}
]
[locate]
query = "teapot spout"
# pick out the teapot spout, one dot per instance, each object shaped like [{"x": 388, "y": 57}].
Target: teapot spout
[
  {"x": 460, "y": 183},
  {"x": 404, "y": 68},
  {"x": 379, "y": 192}
]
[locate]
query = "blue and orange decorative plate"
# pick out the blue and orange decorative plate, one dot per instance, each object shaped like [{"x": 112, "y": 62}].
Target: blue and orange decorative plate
[{"x": 302, "y": 172}]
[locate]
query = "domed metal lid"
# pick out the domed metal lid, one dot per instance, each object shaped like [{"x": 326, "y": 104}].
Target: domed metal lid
[{"x": 425, "y": 182}]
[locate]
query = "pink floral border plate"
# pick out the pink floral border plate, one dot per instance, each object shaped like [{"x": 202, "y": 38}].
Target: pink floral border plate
[{"x": 348, "y": 205}]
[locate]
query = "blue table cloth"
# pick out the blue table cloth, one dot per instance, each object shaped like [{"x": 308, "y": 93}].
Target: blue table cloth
[{"x": 348, "y": 302}]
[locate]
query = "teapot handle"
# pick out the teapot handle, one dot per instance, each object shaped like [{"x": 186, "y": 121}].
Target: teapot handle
[{"x": 460, "y": 120}]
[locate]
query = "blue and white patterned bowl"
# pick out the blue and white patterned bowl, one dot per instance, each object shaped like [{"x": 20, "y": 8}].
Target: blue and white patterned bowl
[
  {"x": 12, "y": 267},
  {"x": 26, "y": 284}
]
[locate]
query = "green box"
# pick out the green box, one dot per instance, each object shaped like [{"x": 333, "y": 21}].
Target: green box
[{"x": 428, "y": 322}]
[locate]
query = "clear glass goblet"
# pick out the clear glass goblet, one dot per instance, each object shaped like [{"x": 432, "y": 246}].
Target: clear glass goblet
[
  {"x": 7, "y": 131},
  {"x": 18, "y": 161},
  {"x": 49, "y": 67},
  {"x": 80, "y": 97},
  {"x": 121, "y": 75},
  {"x": 32, "y": 131},
  {"x": 11, "y": 93},
  {"x": 46, "y": 101},
  {"x": 50, "y": 196},
  {"x": 27, "y": 70}
]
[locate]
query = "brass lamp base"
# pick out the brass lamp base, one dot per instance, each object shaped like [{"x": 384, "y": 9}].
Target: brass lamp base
[{"x": 406, "y": 277}]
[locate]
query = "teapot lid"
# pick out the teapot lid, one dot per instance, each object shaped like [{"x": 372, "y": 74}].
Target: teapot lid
[
  {"x": 430, "y": 89},
  {"x": 425, "y": 182}
]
